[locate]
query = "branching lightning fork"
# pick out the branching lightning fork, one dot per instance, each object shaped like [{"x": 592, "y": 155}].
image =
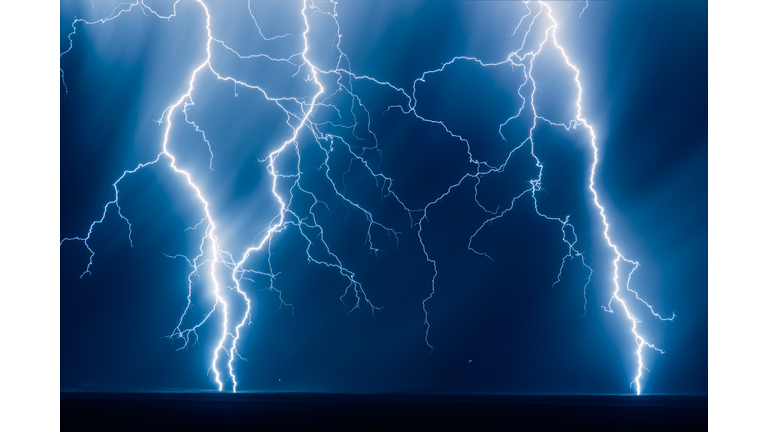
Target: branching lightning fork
[
  {"x": 300, "y": 116},
  {"x": 211, "y": 251}
]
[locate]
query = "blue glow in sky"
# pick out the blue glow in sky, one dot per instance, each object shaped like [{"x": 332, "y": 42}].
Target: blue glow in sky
[{"x": 423, "y": 223}]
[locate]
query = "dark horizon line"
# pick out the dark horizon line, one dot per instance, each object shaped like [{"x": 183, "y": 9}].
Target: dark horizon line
[{"x": 170, "y": 391}]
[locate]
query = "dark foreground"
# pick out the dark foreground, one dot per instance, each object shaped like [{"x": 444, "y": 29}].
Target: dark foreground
[{"x": 404, "y": 412}]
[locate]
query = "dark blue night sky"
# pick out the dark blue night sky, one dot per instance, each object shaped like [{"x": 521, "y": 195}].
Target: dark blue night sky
[{"x": 496, "y": 325}]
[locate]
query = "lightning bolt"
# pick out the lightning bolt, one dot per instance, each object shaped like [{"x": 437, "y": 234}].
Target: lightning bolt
[
  {"x": 580, "y": 121},
  {"x": 333, "y": 93},
  {"x": 210, "y": 249}
]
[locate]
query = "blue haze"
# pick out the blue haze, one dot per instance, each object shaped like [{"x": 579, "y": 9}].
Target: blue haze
[{"x": 497, "y": 326}]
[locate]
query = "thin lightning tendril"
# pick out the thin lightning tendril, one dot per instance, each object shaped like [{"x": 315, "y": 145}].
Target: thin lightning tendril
[{"x": 332, "y": 84}]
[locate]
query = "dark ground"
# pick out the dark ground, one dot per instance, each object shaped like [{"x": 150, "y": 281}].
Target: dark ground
[{"x": 301, "y": 411}]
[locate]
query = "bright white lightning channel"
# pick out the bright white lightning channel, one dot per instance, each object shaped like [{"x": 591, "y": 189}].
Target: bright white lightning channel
[
  {"x": 640, "y": 341},
  {"x": 211, "y": 253}
]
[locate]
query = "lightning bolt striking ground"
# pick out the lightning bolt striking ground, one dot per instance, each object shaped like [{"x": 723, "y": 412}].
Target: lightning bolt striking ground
[{"x": 319, "y": 113}]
